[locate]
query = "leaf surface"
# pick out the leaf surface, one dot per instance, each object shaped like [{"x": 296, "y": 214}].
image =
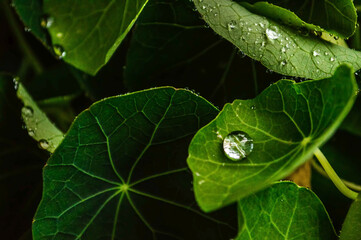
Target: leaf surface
[
  {"x": 336, "y": 16},
  {"x": 279, "y": 48},
  {"x": 287, "y": 122},
  {"x": 38, "y": 125},
  {"x": 120, "y": 173},
  {"x": 87, "y": 34},
  {"x": 284, "y": 211},
  {"x": 351, "y": 228}
]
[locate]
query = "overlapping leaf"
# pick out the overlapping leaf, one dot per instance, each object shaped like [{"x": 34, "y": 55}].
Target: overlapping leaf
[
  {"x": 284, "y": 211},
  {"x": 287, "y": 122},
  {"x": 87, "y": 34},
  {"x": 351, "y": 229},
  {"x": 120, "y": 173},
  {"x": 279, "y": 48},
  {"x": 336, "y": 16}
]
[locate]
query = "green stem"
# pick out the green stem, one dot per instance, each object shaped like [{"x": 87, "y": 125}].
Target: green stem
[
  {"x": 333, "y": 176},
  {"x": 349, "y": 184},
  {"x": 19, "y": 36}
]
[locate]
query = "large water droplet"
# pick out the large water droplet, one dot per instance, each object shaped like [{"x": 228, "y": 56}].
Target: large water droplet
[
  {"x": 59, "y": 51},
  {"x": 237, "y": 145},
  {"x": 272, "y": 33},
  {"x": 43, "y": 144}
]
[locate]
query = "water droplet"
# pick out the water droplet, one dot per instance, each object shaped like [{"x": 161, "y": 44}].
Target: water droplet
[
  {"x": 272, "y": 34},
  {"x": 31, "y": 133},
  {"x": 283, "y": 49},
  {"x": 27, "y": 29},
  {"x": 326, "y": 53},
  {"x": 237, "y": 145},
  {"x": 336, "y": 37},
  {"x": 59, "y": 51},
  {"x": 315, "y": 53},
  {"x": 46, "y": 21},
  {"x": 16, "y": 83},
  {"x": 200, "y": 182},
  {"x": 253, "y": 107},
  {"x": 27, "y": 111},
  {"x": 283, "y": 63},
  {"x": 332, "y": 59},
  {"x": 43, "y": 144},
  {"x": 231, "y": 25}
]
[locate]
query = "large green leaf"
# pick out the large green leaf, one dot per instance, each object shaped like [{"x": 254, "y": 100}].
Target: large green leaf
[
  {"x": 120, "y": 173},
  {"x": 351, "y": 229},
  {"x": 353, "y": 120},
  {"x": 284, "y": 211},
  {"x": 86, "y": 34},
  {"x": 279, "y": 48},
  {"x": 287, "y": 122},
  {"x": 336, "y": 16}
]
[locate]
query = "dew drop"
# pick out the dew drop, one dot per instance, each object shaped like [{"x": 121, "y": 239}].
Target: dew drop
[
  {"x": 46, "y": 21},
  {"x": 59, "y": 51},
  {"x": 237, "y": 145},
  {"x": 231, "y": 25},
  {"x": 253, "y": 107},
  {"x": 27, "y": 111},
  {"x": 43, "y": 144},
  {"x": 315, "y": 53},
  {"x": 283, "y": 50},
  {"x": 332, "y": 59},
  {"x": 283, "y": 63},
  {"x": 31, "y": 132},
  {"x": 16, "y": 83},
  {"x": 271, "y": 34}
]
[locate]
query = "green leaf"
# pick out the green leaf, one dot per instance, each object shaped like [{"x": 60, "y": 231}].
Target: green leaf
[
  {"x": 39, "y": 127},
  {"x": 171, "y": 46},
  {"x": 287, "y": 122},
  {"x": 284, "y": 211},
  {"x": 336, "y": 16},
  {"x": 31, "y": 13},
  {"x": 351, "y": 229},
  {"x": 87, "y": 34},
  {"x": 120, "y": 173},
  {"x": 279, "y": 48}
]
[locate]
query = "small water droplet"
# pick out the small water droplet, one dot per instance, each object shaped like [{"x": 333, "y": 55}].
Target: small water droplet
[
  {"x": 332, "y": 59},
  {"x": 283, "y": 63},
  {"x": 59, "y": 51},
  {"x": 27, "y": 29},
  {"x": 43, "y": 144},
  {"x": 283, "y": 50},
  {"x": 231, "y": 25},
  {"x": 253, "y": 107},
  {"x": 315, "y": 53},
  {"x": 27, "y": 111},
  {"x": 46, "y": 21},
  {"x": 31, "y": 132},
  {"x": 336, "y": 37},
  {"x": 237, "y": 145},
  {"x": 272, "y": 34}
]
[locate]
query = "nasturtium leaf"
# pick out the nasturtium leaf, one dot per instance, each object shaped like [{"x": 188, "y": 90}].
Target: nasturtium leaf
[
  {"x": 287, "y": 122},
  {"x": 278, "y": 47},
  {"x": 351, "y": 228},
  {"x": 86, "y": 34},
  {"x": 38, "y": 125},
  {"x": 120, "y": 173},
  {"x": 31, "y": 13},
  {"x": 336, "y": 16},
  {"x": 284, "y": 211}
]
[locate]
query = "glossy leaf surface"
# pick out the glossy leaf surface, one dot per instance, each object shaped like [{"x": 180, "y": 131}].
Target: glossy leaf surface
[
  {"x": 284, "y": 211},
  {"x": 120, "y": 173},
  {"x": 287, "y": 122}
]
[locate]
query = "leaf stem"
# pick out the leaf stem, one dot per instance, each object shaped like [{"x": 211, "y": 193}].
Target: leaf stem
[
  {"x": 333, "y": 176},
  {"x": 19, "y": 36},
  {"x": 349, "y": 184}
]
